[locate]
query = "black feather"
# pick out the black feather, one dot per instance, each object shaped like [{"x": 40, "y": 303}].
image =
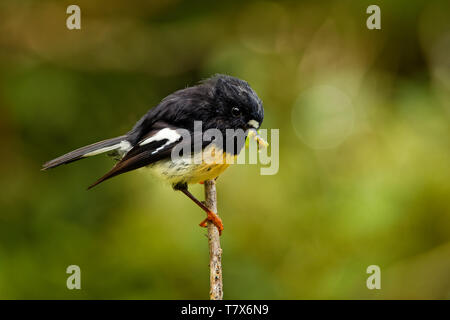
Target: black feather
[
  {"x": 79, "y": 153},
  {"x": 210, "y": 102}
]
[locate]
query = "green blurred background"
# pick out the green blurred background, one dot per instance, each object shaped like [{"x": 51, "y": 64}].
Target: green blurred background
[{"x": 364, "y": 149}]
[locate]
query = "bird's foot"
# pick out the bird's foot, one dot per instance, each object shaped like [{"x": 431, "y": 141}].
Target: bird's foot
[{"x": 215, "y": 219}]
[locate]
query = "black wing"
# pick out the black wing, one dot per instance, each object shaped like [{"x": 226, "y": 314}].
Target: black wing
[{"x": 155, "y": 146}]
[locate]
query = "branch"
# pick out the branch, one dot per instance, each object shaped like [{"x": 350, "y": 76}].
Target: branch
[{"x": 215, "y": 252}]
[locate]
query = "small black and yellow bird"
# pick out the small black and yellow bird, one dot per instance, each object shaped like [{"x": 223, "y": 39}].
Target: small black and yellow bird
[{"x": 221, "y": 102}]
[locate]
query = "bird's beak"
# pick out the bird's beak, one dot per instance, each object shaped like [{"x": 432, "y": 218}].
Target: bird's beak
[{"x": 253, "y": 134}]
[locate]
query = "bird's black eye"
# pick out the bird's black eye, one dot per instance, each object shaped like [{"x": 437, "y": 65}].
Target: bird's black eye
[{"x": 236, "y": 112}]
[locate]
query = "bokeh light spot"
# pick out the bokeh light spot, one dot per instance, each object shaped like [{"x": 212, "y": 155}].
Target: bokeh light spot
[{"x": 323, "y": 117}]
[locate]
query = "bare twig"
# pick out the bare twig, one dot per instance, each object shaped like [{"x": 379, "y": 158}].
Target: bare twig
[{"x": 215, "y": 252}]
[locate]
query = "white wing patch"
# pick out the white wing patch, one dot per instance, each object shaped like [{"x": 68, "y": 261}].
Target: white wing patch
[
  {"x": 124, "y": 146},
  {"x": 168, "y": 134}
]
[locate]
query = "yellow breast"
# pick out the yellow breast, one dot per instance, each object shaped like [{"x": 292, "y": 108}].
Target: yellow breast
[{"x": 203, "y": 166}]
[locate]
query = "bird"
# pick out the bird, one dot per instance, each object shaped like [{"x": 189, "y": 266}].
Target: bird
[{"x": 221, "y": 102}]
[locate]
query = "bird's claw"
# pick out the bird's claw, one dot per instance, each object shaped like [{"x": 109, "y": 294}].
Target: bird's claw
[{"x": 215, "y": 219}]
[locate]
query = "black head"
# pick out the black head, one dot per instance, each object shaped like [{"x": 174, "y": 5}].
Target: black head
[
  {"x": 235, "y": 104},
  {"x": 221, "y": 102}
]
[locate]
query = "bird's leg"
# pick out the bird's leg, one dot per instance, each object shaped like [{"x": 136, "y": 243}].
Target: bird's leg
[{"x": 211, "y": 216}]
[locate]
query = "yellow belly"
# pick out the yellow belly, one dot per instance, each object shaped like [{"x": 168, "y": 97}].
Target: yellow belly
[{"x": 194, "y": 170}]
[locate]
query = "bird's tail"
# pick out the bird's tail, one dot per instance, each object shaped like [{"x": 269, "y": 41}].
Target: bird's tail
[{"x": 118, "y": 143}]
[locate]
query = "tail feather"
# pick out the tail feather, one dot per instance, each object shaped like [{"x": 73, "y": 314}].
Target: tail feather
[{"x": 87, "y": 151}]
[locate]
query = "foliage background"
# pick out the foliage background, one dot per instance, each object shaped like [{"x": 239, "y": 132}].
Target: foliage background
[{"x": 364, "y": 149}]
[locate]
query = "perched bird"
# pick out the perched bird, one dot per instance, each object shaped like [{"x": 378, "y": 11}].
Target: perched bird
[{"x": 221, "y": 102}]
